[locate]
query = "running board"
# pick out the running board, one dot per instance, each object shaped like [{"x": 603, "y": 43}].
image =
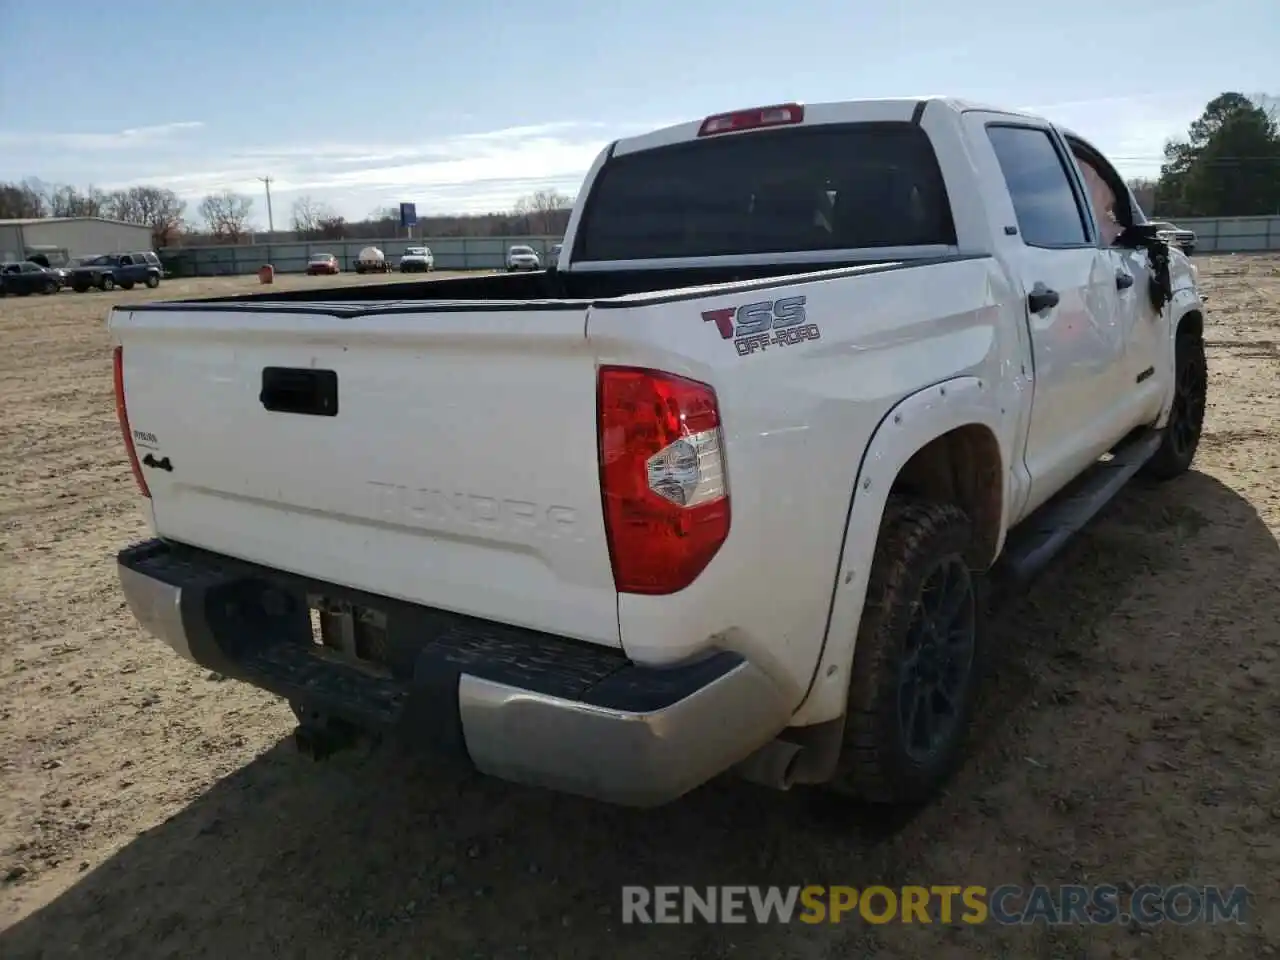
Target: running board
[{"x": 1038, "y": 539}]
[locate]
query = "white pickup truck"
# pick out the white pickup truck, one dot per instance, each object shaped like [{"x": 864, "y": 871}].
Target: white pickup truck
[{"x": 719, "y": 493}]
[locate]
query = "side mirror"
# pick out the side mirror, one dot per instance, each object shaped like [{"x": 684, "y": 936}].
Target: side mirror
[{"x": 1137, "y": 236}]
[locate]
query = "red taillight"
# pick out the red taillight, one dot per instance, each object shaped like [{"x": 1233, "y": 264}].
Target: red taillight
[
  {"x": 778, "y": 115},
  {"x": 662, "y": 475},
  {"x": 122, "y": 414}
]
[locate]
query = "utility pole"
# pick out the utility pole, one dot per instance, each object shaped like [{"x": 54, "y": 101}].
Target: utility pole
[{"x": 271, "y": 223}]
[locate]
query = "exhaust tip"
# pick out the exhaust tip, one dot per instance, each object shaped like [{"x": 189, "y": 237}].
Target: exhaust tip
[{"x": 774, "y": 765}]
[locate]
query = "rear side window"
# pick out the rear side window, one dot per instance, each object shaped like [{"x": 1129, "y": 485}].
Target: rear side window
[
  {"x": 1048, "y": 213},
  {"x": 829, "y": 187}
]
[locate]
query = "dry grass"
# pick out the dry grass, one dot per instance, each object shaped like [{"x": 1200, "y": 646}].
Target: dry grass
[{"x": 1130, "y": 732}]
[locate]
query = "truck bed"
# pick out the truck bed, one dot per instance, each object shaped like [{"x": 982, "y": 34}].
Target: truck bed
[{"x": 540, "y": 290}]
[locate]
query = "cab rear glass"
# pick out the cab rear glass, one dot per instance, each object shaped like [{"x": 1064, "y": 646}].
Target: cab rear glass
[{"x": 829, "y": 187}]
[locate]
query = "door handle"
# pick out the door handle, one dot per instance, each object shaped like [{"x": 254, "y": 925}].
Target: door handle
[
  {"x": 1124, "y": 281},
  {"x": 1041, "y": 299}
]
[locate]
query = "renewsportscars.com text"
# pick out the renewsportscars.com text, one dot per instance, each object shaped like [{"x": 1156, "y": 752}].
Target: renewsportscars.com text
[{"x": 1008, "y": 904}]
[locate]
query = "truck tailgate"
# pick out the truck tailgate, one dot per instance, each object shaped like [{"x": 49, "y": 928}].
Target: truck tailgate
[{"x": 446, "y": 458}]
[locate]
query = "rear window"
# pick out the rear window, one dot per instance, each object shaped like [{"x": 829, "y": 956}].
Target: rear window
[{"x": 828, "y": 187}]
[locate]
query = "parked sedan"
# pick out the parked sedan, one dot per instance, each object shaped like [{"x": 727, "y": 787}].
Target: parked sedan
[
  {"x": 24, "y": 279},
  {"x": 322, "y": 263},
  {"x": 522, "y": 258},
  {"x": 1185, "y": 240}
]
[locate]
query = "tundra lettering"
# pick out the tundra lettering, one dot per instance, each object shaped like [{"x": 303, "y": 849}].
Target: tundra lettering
[{"x": 458, "y": 509}]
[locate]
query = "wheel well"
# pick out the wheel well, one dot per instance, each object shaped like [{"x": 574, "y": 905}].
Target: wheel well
[
  {"x": 1191, "y": 325},
  {"x": 962, "y": 467}
]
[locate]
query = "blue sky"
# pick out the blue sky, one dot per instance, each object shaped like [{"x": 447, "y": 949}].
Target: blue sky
[{"x": 465, "y": 107}]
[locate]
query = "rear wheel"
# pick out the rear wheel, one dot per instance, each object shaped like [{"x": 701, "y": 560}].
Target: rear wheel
[
  {"x": 918, "y": 657},
  {"x": 1186, "y": 418},
  {"x": 107, "y": 283}
]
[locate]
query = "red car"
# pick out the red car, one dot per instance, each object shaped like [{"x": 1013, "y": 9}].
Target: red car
[{"x": 322, "y": 263}]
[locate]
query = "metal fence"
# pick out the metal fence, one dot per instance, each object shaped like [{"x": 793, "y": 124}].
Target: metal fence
[
  {"x": 1213, "y": 235},
  {"x": 1233, "y": 234},
  {"x": 451, "y": 253}
]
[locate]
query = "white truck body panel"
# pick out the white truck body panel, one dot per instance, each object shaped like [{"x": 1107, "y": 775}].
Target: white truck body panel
[
  {"x": 790, "y": 481},
  {"x": 396, "y": 496}
]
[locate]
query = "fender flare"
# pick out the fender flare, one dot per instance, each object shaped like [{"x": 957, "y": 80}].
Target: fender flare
[
  {"x": 905, "y": 429},
  {"x": 1185, "y": 300}
]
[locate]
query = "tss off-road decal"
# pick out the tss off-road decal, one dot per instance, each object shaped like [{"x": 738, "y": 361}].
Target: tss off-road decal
[{"x": 768, "y": 323}]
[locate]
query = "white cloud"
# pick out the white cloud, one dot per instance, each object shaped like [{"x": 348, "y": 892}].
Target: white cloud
[
  {"x": 462, "y": 173},
  {"x": 89, "y": 142},
  {"x": 471, "y": 172}
]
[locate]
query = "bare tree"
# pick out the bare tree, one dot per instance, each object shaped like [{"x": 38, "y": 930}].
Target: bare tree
[
  {"x": 68, "y": 201},
  {"x": 547, "y": 211},
  {"x": 306, "y": 216},
  {"x": 331, "y": 226},
  {"x": 154, "y": 207},
  {"x": 227, "y": 215},
  {"x": 315, "y": 220},
  {"x": 21, "y": 201}
]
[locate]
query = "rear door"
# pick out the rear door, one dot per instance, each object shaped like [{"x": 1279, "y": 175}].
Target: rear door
[
  {"x": 446, "y": 458},
  {"x": 1077, "y": 338},
  {"x": 128, "y": 270}
]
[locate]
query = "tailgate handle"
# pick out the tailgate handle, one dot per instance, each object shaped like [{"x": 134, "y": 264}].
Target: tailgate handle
[{"x": 300, "y": 390}]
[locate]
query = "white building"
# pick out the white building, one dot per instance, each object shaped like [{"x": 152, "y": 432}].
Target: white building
[{"x": 61, "y": 238}]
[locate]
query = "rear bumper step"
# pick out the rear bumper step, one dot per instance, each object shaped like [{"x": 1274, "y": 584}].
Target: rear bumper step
[{"x": 518, "y": 704}]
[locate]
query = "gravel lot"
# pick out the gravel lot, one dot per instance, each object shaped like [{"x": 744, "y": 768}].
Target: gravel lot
[{"x": 1131, "y": 731}]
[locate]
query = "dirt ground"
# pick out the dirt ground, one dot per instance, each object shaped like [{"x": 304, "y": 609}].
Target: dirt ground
[{"x": 1130, "y": 732}]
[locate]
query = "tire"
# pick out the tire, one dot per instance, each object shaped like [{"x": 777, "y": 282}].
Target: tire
[
  {"x": 107, "y": 284},
  {"x": 152, "y": 281},
  {"x": 1182, "y": 433},
  {"x": 920, "y": 560},
  {"x": 50, "y": 286}
]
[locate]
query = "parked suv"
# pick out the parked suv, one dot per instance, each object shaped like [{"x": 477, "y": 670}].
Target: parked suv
[
  {"x": 417, "y": 260},
  {"x": 522, "y": 258},
  {"x": 111, "y": 270}
]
